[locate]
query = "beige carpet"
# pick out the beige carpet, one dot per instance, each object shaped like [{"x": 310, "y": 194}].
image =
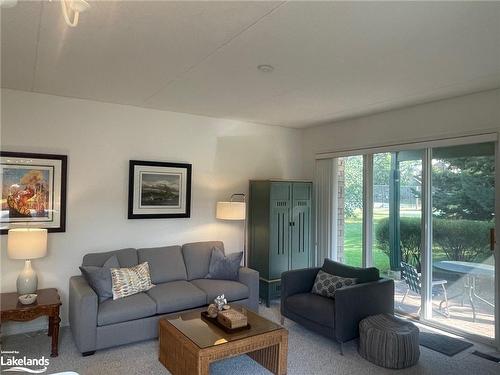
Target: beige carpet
[{"x": 309, "y": 353}]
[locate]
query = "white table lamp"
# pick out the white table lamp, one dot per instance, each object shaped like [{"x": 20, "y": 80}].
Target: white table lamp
[
  {"x": 235, "y": 210},
  {"x": 27, "y": 244}
]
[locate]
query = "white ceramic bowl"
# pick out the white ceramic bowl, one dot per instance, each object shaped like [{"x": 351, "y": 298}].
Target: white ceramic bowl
[{"x": 27, "y": 299}]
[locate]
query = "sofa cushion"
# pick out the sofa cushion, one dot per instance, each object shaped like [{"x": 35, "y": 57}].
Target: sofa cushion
[
  {"x": 313, "y": 307},
  {"x": 177, "y": 296},
  {"x": 128, "y": 281},
  {"x": 232, "y": 290},
  {"x": 362, "y": 275},
  {"x": 197, "y": 257},
  {"x": 126, "y": 258},
  {"x": 224, "y": 267},
  {"x": 99, "y": 278},
  {"x": 165, "y": 263},
  {"x": 124, "y": 309}
]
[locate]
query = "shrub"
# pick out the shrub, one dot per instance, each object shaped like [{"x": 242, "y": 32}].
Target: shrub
[
  {"x": 410, "y": 234},
  {"x": 461, "y": 240}
]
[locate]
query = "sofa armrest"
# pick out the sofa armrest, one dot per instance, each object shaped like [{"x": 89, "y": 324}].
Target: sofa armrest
[
  {"x": 250, "y": 278},
  {"x": 83, "y": 305},
  {"x": 297, "y": 281},
  {"x": 356, "y": 302}
]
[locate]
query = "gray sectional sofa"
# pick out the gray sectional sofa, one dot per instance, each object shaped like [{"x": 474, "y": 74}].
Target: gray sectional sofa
[{"x": 179, "y": 275}]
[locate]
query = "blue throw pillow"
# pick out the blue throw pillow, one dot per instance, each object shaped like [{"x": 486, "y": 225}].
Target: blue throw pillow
[
  {"x": 224, "y": 267},
  {"x": 99, "y": 278}
]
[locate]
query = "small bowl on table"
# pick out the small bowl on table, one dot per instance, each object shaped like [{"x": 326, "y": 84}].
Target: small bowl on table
[{"x": 27, "y": 299}]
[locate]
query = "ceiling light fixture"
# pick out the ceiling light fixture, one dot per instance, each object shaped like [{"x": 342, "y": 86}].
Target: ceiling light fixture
[
  {"x": 265, "y": 68},
  {"x": 71, "y": 10}
]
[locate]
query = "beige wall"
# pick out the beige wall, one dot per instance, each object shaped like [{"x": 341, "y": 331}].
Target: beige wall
[
  {"x": 444, "y": 118},
  {"x": 100, "y": 139}
]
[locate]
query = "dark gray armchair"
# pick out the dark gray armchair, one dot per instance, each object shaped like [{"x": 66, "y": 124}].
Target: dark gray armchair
[{"x": 338, "y": 317}]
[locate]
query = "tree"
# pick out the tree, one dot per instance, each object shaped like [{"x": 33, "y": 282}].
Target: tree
[
  {"x": 353, "y": 185},
  {"x": 353, "y": 178},
  {"x": 464, "y": 188}
]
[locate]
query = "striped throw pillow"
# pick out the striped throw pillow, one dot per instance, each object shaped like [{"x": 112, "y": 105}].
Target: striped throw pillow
[{"x": 128, "y": 281}]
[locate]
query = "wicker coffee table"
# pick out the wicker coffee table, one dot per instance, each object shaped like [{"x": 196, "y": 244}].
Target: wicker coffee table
[{"x": 188, "y": 343}]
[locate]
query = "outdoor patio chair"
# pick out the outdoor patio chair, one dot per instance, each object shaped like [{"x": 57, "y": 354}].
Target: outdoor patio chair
[{"x": 413, "y": 280}]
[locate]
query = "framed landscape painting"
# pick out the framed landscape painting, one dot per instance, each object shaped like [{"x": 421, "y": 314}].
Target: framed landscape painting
[
  {"x": 33, "y": 191},
  {"x": 159, "y": 190}
]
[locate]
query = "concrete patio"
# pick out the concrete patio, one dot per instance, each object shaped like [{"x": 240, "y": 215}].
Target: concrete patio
[{"x": 460, "y": 316}]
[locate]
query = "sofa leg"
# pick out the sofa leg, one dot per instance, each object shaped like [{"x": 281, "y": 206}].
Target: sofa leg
[
  {"x": 86, "y": 354},
  {"x": 341, "y": 348},
  {"x": 282, "y": 320}
]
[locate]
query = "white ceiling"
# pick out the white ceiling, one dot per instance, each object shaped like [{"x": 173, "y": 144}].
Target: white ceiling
[{"x": 332, "y": 60}]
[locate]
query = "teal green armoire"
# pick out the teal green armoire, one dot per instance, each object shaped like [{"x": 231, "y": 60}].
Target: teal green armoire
[{"x": 279, "y": 231}]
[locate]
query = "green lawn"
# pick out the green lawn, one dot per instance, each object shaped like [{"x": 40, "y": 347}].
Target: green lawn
[{"x": 353, "y": 243}]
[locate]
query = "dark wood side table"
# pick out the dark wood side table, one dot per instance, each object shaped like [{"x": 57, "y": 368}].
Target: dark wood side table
[{"x": 47, "y": 303}]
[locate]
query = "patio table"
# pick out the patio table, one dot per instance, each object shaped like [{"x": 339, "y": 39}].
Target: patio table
[{"x": 471, "y": 271}]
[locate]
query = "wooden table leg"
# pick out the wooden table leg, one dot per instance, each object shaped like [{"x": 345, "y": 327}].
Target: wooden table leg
[
  {"x": 55, "y": 335},
  {"x": 203, "y": 366},
  {"x": 51, "y": 326},
  {"x": 273, "y": 358},
  {"x": 283, "y": 354}
]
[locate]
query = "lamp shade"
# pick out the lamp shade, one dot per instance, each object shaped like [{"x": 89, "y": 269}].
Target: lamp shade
[
  {"x": 231, "y": 210},
  {"x": 27, "y": 243}
]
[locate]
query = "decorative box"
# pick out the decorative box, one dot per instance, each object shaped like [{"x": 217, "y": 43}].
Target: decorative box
[{"x": 232, "y": 319}]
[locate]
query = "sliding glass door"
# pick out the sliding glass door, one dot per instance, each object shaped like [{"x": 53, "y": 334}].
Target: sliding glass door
[
  {"x": 425, "y": 217},
  {"x": 350, "y": 171},
  {"x": 463, "y": 216},
  {"x": 397, "y": 215}
]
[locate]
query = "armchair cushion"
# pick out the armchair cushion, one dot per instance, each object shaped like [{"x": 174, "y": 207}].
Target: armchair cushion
[
  {"x": 326, "y": 284},
  {"x": 362, "y": 275},
  {"x": 297, "y": 281},
  {"x": 312, "y": 307}
]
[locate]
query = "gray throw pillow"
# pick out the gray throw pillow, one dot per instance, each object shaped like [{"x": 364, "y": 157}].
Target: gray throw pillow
[
  {"x": 99, "y": 278},
  {"x": 327, "y": 284},
  {"x": 224, "y": 267}
]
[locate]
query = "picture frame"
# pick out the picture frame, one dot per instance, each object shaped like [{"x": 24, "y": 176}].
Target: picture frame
[
  {"x": 159, "y": 190},
  {"x": 33, "y": 191}
]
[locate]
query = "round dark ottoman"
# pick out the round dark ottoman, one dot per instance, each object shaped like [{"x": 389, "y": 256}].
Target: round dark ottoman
[{"x": 388, "y": 341}]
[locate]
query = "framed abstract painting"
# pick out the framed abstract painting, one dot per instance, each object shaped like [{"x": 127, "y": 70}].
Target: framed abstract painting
[
  {"x": 33, "y": 191},
  {"x": 159, "y": 190}
]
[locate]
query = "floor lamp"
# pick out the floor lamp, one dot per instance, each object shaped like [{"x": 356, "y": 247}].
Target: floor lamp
[{"x": 235, "y": 209}]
